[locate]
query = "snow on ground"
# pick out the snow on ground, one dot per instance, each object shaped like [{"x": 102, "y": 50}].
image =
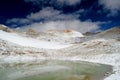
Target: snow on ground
[
  {"x": 30, "y": 42},
  {"x": 64, "y": 33},
  {"x": 73, "y": 34},
  {"x": 61, "y": 36},
  {"x": 109, "y": 59}
]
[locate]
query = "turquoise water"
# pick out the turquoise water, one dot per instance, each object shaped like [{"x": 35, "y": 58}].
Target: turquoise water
[{"x": 54, "y": 70}]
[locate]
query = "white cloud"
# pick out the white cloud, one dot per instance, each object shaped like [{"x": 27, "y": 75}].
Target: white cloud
[
  {"x": 112, "y": 5},
  {"x": 46, "y": 14},
  {"x": 51, "y": 14},
  {"x": 55, "y": 19},
  {"x": 18, "y": 20},
  {"x": 77, "y": 25}
]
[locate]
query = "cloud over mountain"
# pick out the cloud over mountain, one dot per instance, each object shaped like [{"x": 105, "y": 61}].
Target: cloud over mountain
[
  {"x": 77, "y": 25},
  {"x": 46, "y": 14},
  {"x": 50, "y": 18}
]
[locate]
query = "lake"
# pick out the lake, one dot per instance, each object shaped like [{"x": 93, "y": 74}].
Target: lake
[{"x": 54, "y": 70}]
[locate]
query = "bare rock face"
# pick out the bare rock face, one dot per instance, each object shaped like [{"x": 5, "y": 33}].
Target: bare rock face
[
  {"x": 90, "y": 33},
  {"x": 118, "y": 39},
  {"x": 32, "y": 33},
  {"x": 6, "y": 29},
  {"x": 2, "y": 27}
]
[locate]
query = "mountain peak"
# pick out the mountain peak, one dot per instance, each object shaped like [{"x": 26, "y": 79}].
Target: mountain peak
[
  {"x": 1, "y": 25},
  {"x": 115, "y": 29},
  {"x": 5, "y": 28}
]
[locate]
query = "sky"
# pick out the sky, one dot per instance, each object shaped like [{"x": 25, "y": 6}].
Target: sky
[{"x": 80, "y": 15}]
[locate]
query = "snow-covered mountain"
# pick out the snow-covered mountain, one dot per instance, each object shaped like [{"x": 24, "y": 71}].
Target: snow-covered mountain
[
  {"x": 102, "y": 48},
  {"x": 61, "y": 36},
  {"x": 16, "y": 43},
  {"x": 18, "y": 39},
  {"x": 5, "y": 28},
  {"x": 60, "y": 41}
]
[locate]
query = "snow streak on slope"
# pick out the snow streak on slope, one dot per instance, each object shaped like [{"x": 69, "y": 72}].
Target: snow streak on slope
[
  {"x": 61, "y": 36},
  {"x": 29, "y": 42},
  {"x": 103, "y": 48},
  {"x": 64, "y": 33}
]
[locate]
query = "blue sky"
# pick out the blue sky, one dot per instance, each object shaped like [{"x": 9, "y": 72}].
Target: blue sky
[{"x": 81, "y": 15}]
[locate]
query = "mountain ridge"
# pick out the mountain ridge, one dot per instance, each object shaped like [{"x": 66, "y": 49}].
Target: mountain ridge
[{"x": 103, "y": 48}]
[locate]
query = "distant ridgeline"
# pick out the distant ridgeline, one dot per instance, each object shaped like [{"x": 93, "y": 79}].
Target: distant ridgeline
[{"x": 5, "y": 28}]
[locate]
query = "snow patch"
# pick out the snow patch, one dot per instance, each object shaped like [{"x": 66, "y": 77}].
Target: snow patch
[
  {"x": 74, "y": 34},
  {"x": 30, "y": 42}
]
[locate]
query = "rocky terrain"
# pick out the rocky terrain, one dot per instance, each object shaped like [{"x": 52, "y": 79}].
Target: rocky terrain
[{"x": 103, "y": 47}]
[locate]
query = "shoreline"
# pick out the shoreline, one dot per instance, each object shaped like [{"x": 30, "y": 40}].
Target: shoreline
[{"x": 107, "y": 59}]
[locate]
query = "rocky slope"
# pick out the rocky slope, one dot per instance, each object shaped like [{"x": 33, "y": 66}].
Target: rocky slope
[
  {"x": 102, "y": 48},
  {"x": 69, "y": 43},
  {"x": 61, "y": 36},
  {"x": 113, "y": 33}
]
